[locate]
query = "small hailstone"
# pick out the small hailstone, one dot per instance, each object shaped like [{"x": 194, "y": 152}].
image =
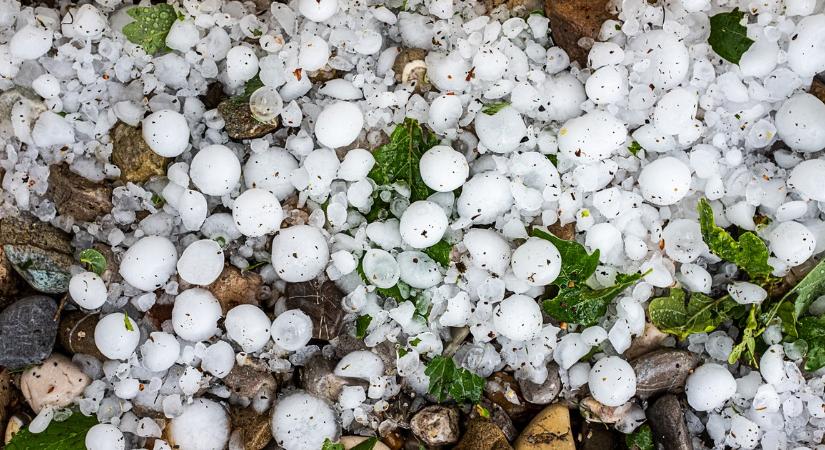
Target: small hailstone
[
  {"x": 501, "y": 132},
  {"x": 806, "y": 49},
  {"x": 88, "y": 290},
  {"x": 356, "y": 165},
  {"x": 182, "y": 36},
  {"x": 31, "y": 42},
  {"x": 746, "y": 293},
  {"x": 772, "y": 365},
  {"x": 798, "y": 123},
  {"x": 418, "y": 270},
  {"x": 201, "y": 262},
  {"x": 192, "y": 207},
  {"x": 607, "y": 85},
  {"x": 696, "y": 278},
  {"x": 675, "y": 111},
  {"x": 423, "y": 224},
  {"x": 195, "y": 315},
  {"x": 241, "y": 63},
  {"x": 215, "y": 170},
  {"x": 149, "y": 263},
  {"x": 612, "y": 381},
  {"x": 266, "y": 104},
  {"x": 88, "y": 22},
  {"x": 292, "y": 329},
  {"x": 458, "y": 311},
  {"x": 488, "y": 249},
  {"x": 127, "y": 389},
  {"x": 578, "y": 375},
  {"x": 592, "y": 137},
  {"x": 536, "y": 261},
  {"x": 709, "y": 387},
  {"x": 484, "y": 198},
  {"x": 381, "y": 268},
  {"x": 51, "y": 129},
  {"x": 444, "y": 113},
  {"x": 270, "y": 170},
  {"x": 318, "y": 10},
  {"x": 351, "y": 397},
  {"x": 792, "y": 242},
  {"x": 518, "y": 317},
  {"x": 257, "y": 212},
  {"x": 114, "y": 339},
  {"x": 620, "y": 335},
  {"x": 743, "y": 433},
  {"x": 299, "y": 253},
  {"x": 443, "y": 169},
  {"x": 166, "y": 132},
  {"x": 248, "y": 326},
  {"x": 203, "y": 425},
  {"x": 314, "y": 53},
  {"x": 46, "y": 86},
  {"x": 808, "y": 178},
  {"x": 160, "y": 351},
  {"x": 190, "y": 380},
  {"x": 104, "y": 436},
  {"x": 339, "y": 124},
  {"x": 360, "y": 364},
  {"x": 665, "y": 181},
  {"x": 218, "y": 359},
  {"x": 301, "y": 421},
  {"x": 767, "y": 399}
]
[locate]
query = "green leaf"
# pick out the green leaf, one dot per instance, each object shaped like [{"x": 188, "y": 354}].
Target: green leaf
[
  {"x": 367, "y": 444},
  {"x": 806, "y": 291},
  {"x": 492, "y": 108},
  {"x": 440, "y": 252},
  {"x": 157, "y": 200},
  {"x": 585, "y": 306},
  {"x": 127, "y": 323},
  {"x": 812, "y": 330},
  {"x": 749, "y": 253},
  {"x": 441, "y": 371},
  {"x": 398, "y": 160},
  {"x": 466, "y": 387},
  {"x": 329, "y": 445},
  {"x": 220, "y": 240},
  {"x": 728, "y": 37},
  {"x": 361, "y": 325},
  {"x": 252, "y": 85},
  {"x": 747, "y": 345},
  {"x": 634, "y": 148},
  {"x": 69, "y": 434},
  {"x": 482, "y": 411},
  {"x": 701, "y": 314},
  {"x": 93, "y": 260},
  {"x": 641, "y": 439},
  {"x": 255, "y": 265},
  {"x": 415, "y": 342},
  {"x": 576, "y": 264},
  {"x": 150, "y": 27}
]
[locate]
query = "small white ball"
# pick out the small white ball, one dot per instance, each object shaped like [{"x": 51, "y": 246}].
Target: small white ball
[
  {"x": 799, "y": 124},
  {"x": 709, "y": 387},
  {"x": 114, "y": 339},
  {"x": 166, "y": 132},
  {"x": 339, "y": 124},
  {"x": 241, "y": 63},
  {"x": 318, "y": 10},
  {"x": 201, "y": 262},
  {"x": 443, "y": 169},
  {"x": 270, "y": 170},
  {"x": 88, "y": 290},
  {"x": 46, "y": 86},
  {"x": 665, "y": 181},
  {"x": 31, "y": 42},
  {"x": 257, "y": 212},
  {"x": 501, "y": 132},
  {"x": 248, "y": 326},
  {"x": 592, "y": 137},
  {"x": 292, "y": 330},
  {"x": 612, "y": 381},
  {"x": 89, "y": 22},
  {"x": 215, "y": 170},
  {"x": 356, "y": 165},
  {"x": 195, "y": 315},
  {"x": 484, "y": 198},
  {"x": 808, "y": 178},
  {"x": 301, "y": 421},
  {"x": 203, "y": 425},
  {"x": 423, "y": 224},
  {"x": 314, "y": 53},
  {"x": 149, "y": 262},
  {"x": 299, "y": 253},
  {"x": 218, "y": 359},
  {"x": 518, "y": 317},
  {"x": 488, "y": 249},
  {"x": 537, "y": 262},
  {"x": 381, "y": 268},
  {"x": 104, "y": 436},
  {"x": 792, "y": 242},
  {"x": 160, "y": 351}
]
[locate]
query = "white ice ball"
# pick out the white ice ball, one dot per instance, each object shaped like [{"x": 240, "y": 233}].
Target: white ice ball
[
  {"x": 423, "y": 224},
  {"x": 114, "y": 338},
  {"x": 607, "y": 85},
  {"x": 418, "y": 270},
  {"x": 218, "y": 359},
  {"x": 248, "y": 326},
  {"x": 291, "y": 330},
  {"x": 360, "y": 364},
  {"x": 501, "y": 132},
  {"x": 301, "y": 421},
  {"x": 31, "y": 42},
  {"x": 318, "y": 10},
  {"x": 183, "y": 35},
  {"x": 484, "y": 198},
  {"x": 380, "y": 268},
  {"x": 166, "y": 132},
  {"x": 215, "y": 170},
  {"x": 241, "y": 63},
  {"x": 709, "y": 387},
  {"x": 88, "y": 290},
  {"x": 665, "y": 181},
  {"x": 195, "y": 315},
  {"x": 792, "y": 242},
  {"x": 537, "y": 262},
  {"x": 104, "y": 436},
  {"x": 257, "y": 212},
  {"x": 443, "y": 169},
  {"x": 203, "y": 425},
  {"x": 808, "y": 178},
  {"x": 160, "y": 351},
  {"x": 46, "y": 86},
  {"x": 612, "y": 381},
  {"x": 299, "y": 253},
  {"x": 339, "y": 124},
  {"x": 149, "y": 262},
  {"x": 799, "y": 123},
  {"x": 592, "y": 137},
  {"x": 675, "y": 112},
  {"x": 356, "y": 165},
  {"x": 89, "y": 22},
  {"x": 488, "y": 249},
  {"x": 314, "y": 53},
  {"x": 518, "y": 317},
  {"x": 201, "y": 262},
  {"x": 806, "y": 50},
  {"x": 270, "y": 170}
]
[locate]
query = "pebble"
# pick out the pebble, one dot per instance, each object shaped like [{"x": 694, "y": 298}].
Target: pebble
[
  {"x": 76, "y": 333},
  {"x": 39, "y": 252},
  {"x": 662, "y": 371},
  {"x": 56, "y": 383},
  {"x": 248, "y": 379},
  {"x": 594, "y": 411},
  {"x": 77, "y": 197},
  {"x": 27, "y": 331},
  {"x": 235, "y": 287},
  {"x": 253, "y": 430},
  {"x": 137, "y": 162},
  {"x": 544, "y": 393},
  {"x": 667, "y": 421},
  {"x": 321, "y": 301},
  {"x": 317, "y": 378},
  {"x": 239, "y": 122},
  {"x": 351, "y": 441},
  {"x": 549, "y": 430},
  {"x": 483, "y": 434},
  {"x": 436, "y": 425}
]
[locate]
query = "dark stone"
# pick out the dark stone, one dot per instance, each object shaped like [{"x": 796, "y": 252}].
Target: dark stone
[
  {"x": 39, "y": 252},
  {"x": 663, "y": 371},
  {"x": 239, "y": 123},
  {"x": 597, "y": 436},
  {"x": 214, "y": 95},
  {"x": 483, "y": 435},
  {"x": 248, "y": 379},
  {"x": 498, "y": 417},
  {"x": 137, "y": 162},
  {"x": 321, "y": 301},
  {"x": 77, "y": 333},
  {"x": 317, "y": 377},
  {"x": 436, "y": 425},
  {"x": 76, "y": 196},
  {"x": 545, "y": 393},
  {"x": 571, "y": 20},
  {"x": 667, "y": 422},
  {"x": 500, "y": 388},
  {"x": 27, "y": 332},
  {"x": 255, "y": 429}
]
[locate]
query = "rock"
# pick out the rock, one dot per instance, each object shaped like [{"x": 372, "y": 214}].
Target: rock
[
  {"x": 351, "y": 441},
  {"x": 498, "y": 417},
  {"x": 544, "y": 393},
  {"x": 549, "y": 430},
  {"x": 321, "y": 301},
  {"x": 593, "y": 411},
  {"x": 436, "y": 425},
  {"x": 254, "y": 430},
  {"x": 249, "y": 378},
  {"x": 293, "y": 215},
  {"x": 662, "y": 371},
  {"x": 137, "y": 162},
  {"x": 409, "y": 67},
  {"x": 27, "y": 331},
  {"x": 75, "y": 196},
  {"x": 502, "y": 389},
  {"x": 234, "y": 287},
  {"x": 566, "y": 232},
  {"x": 571, "y": 20},
  {"x": 818, "y": 88},
  {"x": 667, "y": 422},
  {"x": 483, "y": 435},
  {"x": 650, "y": 340},
  {"x": 9, "y": 280},
  {"x": 317, "y": 377},
  {"x": 596, "y": 436},
  {"x": 158, "y": 314},
  {"x": 39, "y": 252},
  {"x": 76, "y": 333},
  {"x": 14, "y": 425},
  {"x": 56, "y": 383},
  {"x": 324, "y": 74},
  {"x": 239, "y": 121}
]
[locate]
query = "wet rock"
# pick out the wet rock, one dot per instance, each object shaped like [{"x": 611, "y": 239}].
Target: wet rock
[
  {"x": 76, "y": 333},
  {"x": 77, "y": 197},
  {"x": 595, "y": 436},
  {"x": 9, "y": 280},
  {"x": 544, "y": 393},
  {"x": 324, "y": 74},
  {"x": 239, "y": 121},
  {"x": 39, "y": 252},
  {"x": 321, "y": 301},
  {"x": 235, "y": 287},
  {"x": 254, "y": 430},
  {"x": 158, "y": 314},
  {"x": 593, "y": 411},
  {"x": 502, "y": 389},
  {"x": 667, "y": 422},
  {"x": 571, "y": 20},
  {"x": 27, "y": 331},
  {"x": 137, "y": 162},
  {"x": 483, "y": 435},
  {"x": 648, "y": 341},
  {"x": 436, "y": 425},
  {"x": 249, "y": 378},
  {"x": 56, "y": 383},
  {"x": 317, "y": 377},
  {"x": 351, "y": 441},
  {"x": 409, "y": 68},
  {"x": 549, "y": 430},
  {"x": 662, "y": 371}
]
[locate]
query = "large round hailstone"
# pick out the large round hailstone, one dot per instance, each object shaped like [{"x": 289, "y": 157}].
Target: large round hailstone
[
  {"x": 356, "y": 165},
  {"x": 241, "y": 63},
  {"x": 89, "y": 22},
  {"x": 166, "y": 132},
  {"x": 104, "y": 436},
  {"x": 607, "y": 85},
  {"x": 215, "y": 170},
  {"x": 31, "y": 42},
  {"x": 270, "y": 170},
  {"x": 423, "y": 224},
  {"x": 160, "y": 351},
  {"x": 669, "y": 58},
  {"x": 195, "y": 315},
  {"x": 675, "y": 112},
  {"x": 799, "y": 123},
  {"x": 339, "y": 124},
  {"x": 484, "y": 198},
  {"x": 808, "y": 178},
  {"x": 418, "y": 270},
  {"x": 501, "y": 132},
  {"x": 114, "y": 339},
  {"x": 665, "y": 181},
  {"x": 314, "y": 53},
  {"x": 444, "y": 113},
  {"x": 806, "y": 50},
  {"x": 612, "y": 381},
  {"x": 443, "y": 169},
  {"x": 792, "y": 242},
  {"x": 683, "y": 240},
  {"x": 488, "y": 249},
  {"x": 248, "y": 326},
  {"x": 203, "y": 425},
  {"x": 218, "y": 359},
  {"x": 201, "y": 262},
  {"x": 301, "y": 421},
  {"x": 292, "y": 330},
  {"x": 149, "y": 263},
  {"x": 257, "y": 212},
  {"x": 709, "y": 387},
  {"x": 318, "y": 10},
  {"x": 88, "y": 290},
  {"x": 517, "y": 317},
  {"x": 299, "y": 253},
  {"x": 380, "y": 268},
  {"x": 592, "y": 137},
  {"x": 537, "y": 262},
  {"x": 360, "y": 364}
]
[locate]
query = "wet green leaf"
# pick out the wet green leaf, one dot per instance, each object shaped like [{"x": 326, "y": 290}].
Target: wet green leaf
[
  {"x": 749, "y": 252},
  {"x": 440, "y": 252},
  {"x": 93, "y": 260},
  {"x": 361, "y": 325},
  {"x": 641, "y": 439},
  {"x": 69, "y": 434},
  {"x": 447, "y": 380},
  {"x": 366, "y": 444},
  {"x": 492, "y": 108},
  {"x": 585, "y": 306},
  {"x": 329, "y": 445},
  {"x": 150, "y": 27},
  {"x": 398, "y": 160},
  {"x": 127, "y": 323},
  {"x": 634, "y": 148},
  {"x": 576, "y": 264},
  {"x": 728, "y": 37},
  {"x": 677, "y": 315},
  {"x": 747, "y": 344},
  {"x": 812, "y": 330}
]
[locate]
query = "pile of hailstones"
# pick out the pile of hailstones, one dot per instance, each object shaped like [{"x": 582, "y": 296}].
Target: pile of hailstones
[{"x": 649, "y": 75}]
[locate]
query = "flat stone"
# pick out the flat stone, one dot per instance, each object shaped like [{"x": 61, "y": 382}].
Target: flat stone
[
  {"x": 254, "y": 429},
  {"x": 651, "y": 339},
  {"x": 76, "y": 333},
  {"x": 502, "y": 389},
  {"x": 436, "y": 425},
  {"x": 27, "y": 331},
  {"x": 239, "y": 123},
  {"x": 321, "y": 301},
  {"x": 248, "y": 379},
  {"x": 663, "y": 371},
  {"x": 56, "y": 383},
  {"x": 549, "y": 430},
  {"x": 137, "y": 162},
  {"x": 40, "y": 253},
  {"x": 234, "y": 287},
  {"x": 351, "y": 441},
  {"x": 544, "y": 393},
  {"x": 483, "y": 434},
  {"x": 76, "y": 196},
  {"x": 667, "y": 422},
  {"x": 571, "y": 20}
]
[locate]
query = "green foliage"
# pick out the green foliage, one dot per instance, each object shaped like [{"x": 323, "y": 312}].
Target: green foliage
[
  {"x": 69, "y": 434},
  {"x": 361, "y": 325},
  {"x": 366, "y": 444},
  {"x": 576, "y": 264},
  {"x": 329, "y": 445},
  {"x": 806, "y": 291},
  {"x": 398, "y": 160},
  {"x": 127, "y": 323},
  {"x": 447, "y": 380},
  {"x": 93, "y": 260},
  {"x": 747, "y": 345},
  {"x": 157, "y": 200},
  {"x": 812, "y": 330},
  {"x": 676, "y": 315},
  {"x": 641, "y": 439},
  {"x": 634, "y": 148},
  {"x": 728, "y": 37},
  {"x": 150, "y": 27},
  {"x": 440, "y": 252},
  {"x": 255, "y": 265},
  {"x": 492, "y": 108}
]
